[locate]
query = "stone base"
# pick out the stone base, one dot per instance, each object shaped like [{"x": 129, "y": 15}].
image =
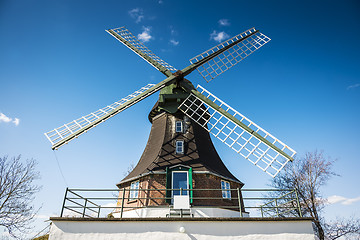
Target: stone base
[{"x": 190, "y": 228}]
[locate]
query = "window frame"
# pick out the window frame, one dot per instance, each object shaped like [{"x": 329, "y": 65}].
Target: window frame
[
  {"x": 225, "y": 187},
  {"x": 181, "y": 126},
  {"x": 134, "y": 195},
  {"x": 182, "y": 147}
]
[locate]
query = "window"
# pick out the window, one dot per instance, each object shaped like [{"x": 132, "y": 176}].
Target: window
[
  {"x": 179, "y": 148},
  {"x": 179, "y": 126},
  {"x": 134, "y": 193},
  {"x": 225, "y": 186}
]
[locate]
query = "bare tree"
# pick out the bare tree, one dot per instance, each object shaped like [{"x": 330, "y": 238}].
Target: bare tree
[
  {"x": 17, "y": 191},
  {"x": 348, "y": 228},
  {"x": 307, "y": 175},
  {"x": 129, "y": 169}
]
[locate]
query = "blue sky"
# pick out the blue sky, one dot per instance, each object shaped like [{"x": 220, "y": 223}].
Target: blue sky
[{"x": 57, "y": 63}]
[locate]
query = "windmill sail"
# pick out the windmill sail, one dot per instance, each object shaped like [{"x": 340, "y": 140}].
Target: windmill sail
[
  {"x": 129, "y": 40},
  {"x": 231, "y": 52},
  {"x": 236, "y": 131},
  {"x": 69, "y": 131}
]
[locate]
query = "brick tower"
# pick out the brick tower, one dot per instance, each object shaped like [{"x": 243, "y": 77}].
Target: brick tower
[{"x": 179, "y": 155}]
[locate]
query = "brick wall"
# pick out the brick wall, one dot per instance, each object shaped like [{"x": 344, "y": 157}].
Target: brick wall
[{"x": 156, "y": 196}]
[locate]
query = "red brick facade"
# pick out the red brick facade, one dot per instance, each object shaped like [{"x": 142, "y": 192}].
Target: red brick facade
[{"x": 154, "y": 193}]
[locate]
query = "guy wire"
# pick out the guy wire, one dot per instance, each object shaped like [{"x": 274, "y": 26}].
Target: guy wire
[{"x": 58, "y": 164}]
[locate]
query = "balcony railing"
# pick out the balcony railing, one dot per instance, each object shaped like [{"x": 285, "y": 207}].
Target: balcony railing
[{"x": 99, "y": 203}]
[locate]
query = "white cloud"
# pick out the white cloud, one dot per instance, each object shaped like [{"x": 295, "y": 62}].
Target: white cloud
[
  {"x": 335, "y": 199},
  {"x": 351, "y": 201},
  {"x": 353, "y": 86},
  {"x": 174, "y": 42},
  {"x": 218, "y": 36},
  {"x": 5, "y": 234},
  {"x": 342, "y": 200},
  {"x": 4, "y": 118},
  {"x": 43, "y": 217},
  {"x": 145, "y": 35},
  {"x": 137, "y": 14},
  {"x": 224, "y": 22},
  {"x": 16, "y": 121},
  {"x": 109, "y": 205}
]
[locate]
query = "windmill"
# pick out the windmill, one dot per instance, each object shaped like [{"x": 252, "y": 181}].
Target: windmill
[
  {"x": 225, "y": 123},
  {"x": 183, "y": 119}
]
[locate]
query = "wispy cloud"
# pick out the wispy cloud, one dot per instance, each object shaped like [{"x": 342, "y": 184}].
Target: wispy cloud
[
  {"x": 145, "y": 35},
  {"x": 224, "y": 22},
  {"x": 174, "y": 42},
  {"x": 342, "y": 200},
  {"x": 137, "y": 14},
  {"x": 353, "y": 86},
  {"x": 218, "y": 36},
  {"x": 161, "y": 1},
  {"x": 173, "y": 32},
  {"x": 6, "y": 119}
]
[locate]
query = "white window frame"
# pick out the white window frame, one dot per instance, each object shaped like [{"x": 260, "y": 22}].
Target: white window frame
[
  {"x": 180, "y": 128},
  {"x": 133, "y": 195},
  {"x": 225, "y": 187},
  {"x": 181, "y": 142}
]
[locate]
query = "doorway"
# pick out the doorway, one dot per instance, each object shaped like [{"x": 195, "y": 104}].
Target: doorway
[{"x": 180, "y": 180}]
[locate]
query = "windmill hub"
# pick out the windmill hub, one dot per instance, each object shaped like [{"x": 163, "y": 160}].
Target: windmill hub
[{"x": 170, "y": 98}]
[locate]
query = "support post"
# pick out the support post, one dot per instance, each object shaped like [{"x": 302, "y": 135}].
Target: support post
[
  {"x": 181, "y": 212},
  {"x": 62, "y": 209},
  {"x": 85, "y": 207},
  {"x": 122, "y": 203},
  {"x": 239, "y": 200},
  {"x": 298, "y": 203}
]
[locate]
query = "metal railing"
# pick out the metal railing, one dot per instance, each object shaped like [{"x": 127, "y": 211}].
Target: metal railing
[
  {"x": 273, "y": 202},
  {"x": 96, "y": 203}
]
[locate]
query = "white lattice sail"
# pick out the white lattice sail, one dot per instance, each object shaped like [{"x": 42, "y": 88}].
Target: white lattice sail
[
  {"x": 83, "y": 124},
  {"x": 237, "y": 131},
  {"x": 134, "y": 44},
  {"x": 253, "y": 40}
]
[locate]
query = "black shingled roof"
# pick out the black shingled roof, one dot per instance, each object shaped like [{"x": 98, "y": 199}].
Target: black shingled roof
[{"x": 159, "y": 153}]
